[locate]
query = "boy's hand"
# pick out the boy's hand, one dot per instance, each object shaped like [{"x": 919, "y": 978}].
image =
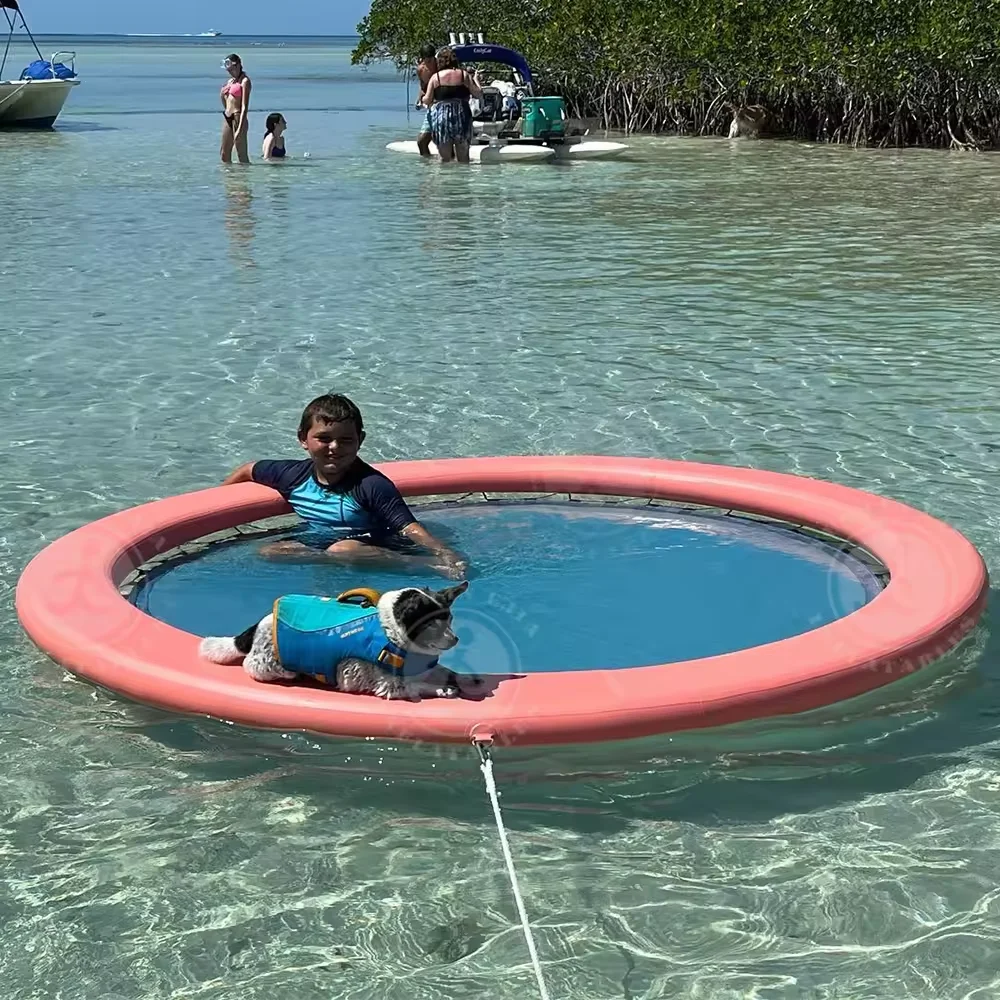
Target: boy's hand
[
  {"x": 445, "y": 560},
  {"x": 448, "y": 564},
  {"x": 455, "y": 567}
]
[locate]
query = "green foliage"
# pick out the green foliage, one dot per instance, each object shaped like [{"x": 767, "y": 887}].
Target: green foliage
[{"x": 882, "y": 72}]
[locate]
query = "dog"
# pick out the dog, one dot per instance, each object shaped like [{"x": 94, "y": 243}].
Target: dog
[
  {"x": 386, "y": 645},
  {"x": 751, "y": 121}
]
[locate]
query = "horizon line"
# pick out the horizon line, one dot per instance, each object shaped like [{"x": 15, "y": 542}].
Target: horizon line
[{"x": 185, "y": 34}]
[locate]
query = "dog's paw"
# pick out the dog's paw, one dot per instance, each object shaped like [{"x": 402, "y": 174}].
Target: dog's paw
[
  {"x": 220, "y": 649},
  {"x": 397, "y": 693},
  {"x": 466, "y": 684},
  {"x": 266, "y": 672}
]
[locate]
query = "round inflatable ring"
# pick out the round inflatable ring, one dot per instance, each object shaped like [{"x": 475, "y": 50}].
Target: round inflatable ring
[{"x": 69, "y": 603}]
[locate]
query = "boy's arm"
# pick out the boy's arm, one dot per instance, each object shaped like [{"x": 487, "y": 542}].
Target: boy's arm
[
  {"x": 419, "y": 534},
  {"x": 244, "y": 474},
  {"x": 383, "y": 499}
]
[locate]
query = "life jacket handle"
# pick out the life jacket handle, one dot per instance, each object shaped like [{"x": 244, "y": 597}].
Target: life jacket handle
[{"x": 368, "y": 597}]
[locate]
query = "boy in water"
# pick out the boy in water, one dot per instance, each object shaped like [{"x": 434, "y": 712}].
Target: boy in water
[
  {"x": 334, "y": 491},
  {"x": 426, "y": 68}
]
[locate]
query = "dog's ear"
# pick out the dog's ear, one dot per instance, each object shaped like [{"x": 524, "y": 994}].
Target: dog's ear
[
  {"x": 412, "y": 609},
  {"x": 449, "y": 595}
]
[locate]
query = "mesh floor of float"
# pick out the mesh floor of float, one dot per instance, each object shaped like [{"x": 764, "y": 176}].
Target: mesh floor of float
[{"x": 561, "y": 586}]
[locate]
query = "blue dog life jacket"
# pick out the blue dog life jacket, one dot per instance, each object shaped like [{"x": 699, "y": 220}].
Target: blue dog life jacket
[{"x": 313, "y": 634}]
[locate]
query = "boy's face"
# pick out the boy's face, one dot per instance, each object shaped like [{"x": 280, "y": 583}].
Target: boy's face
[{"x": 332, "y": 447}]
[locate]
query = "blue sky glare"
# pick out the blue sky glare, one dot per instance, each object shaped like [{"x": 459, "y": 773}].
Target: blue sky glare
[{"x": 231, "y": 17}]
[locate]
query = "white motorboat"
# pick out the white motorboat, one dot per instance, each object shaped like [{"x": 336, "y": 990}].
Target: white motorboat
[
  {"x": 33, "y": 103},
  {"x": 37, "y": 97},
  {"x": 485, "y": 153},
  {"x": 510, "y": 124}
]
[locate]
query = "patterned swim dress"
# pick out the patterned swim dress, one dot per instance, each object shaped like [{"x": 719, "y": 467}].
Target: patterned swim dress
[{"x": 451, "y": 121}]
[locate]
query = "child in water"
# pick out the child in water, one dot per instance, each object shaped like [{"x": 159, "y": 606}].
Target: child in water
[
  {"x": 351, "y": 512},
  {"x": 274, "y": 137}
]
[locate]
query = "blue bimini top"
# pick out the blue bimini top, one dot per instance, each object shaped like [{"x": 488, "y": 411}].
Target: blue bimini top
[
  {"x": 313, "y": 634},
  {"x": 488, "y": 52}
]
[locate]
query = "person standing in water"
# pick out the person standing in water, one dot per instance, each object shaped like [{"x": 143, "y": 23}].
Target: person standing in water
[
  {"x": 426, "y": 68},
  {"x": 274, "y": 137},
  {"x": 235, "y": 111},
  {"x": 447, "y": 96}
]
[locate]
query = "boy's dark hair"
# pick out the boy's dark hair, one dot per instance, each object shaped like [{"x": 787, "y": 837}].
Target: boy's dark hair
[
  {"x": 330, "y": 409},
  {"x": 427, "y": 51}
]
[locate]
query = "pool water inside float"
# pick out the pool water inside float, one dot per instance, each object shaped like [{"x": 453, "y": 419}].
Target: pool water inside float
[{"x": 561, "y": 586}]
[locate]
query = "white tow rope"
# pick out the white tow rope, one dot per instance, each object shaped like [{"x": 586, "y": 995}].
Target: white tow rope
[{"x": 486, "y": 766}]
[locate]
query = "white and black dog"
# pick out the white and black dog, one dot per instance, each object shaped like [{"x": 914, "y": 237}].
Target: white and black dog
[{"x": 389, "y": 649}]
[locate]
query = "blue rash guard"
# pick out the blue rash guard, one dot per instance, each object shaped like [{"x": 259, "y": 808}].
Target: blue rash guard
[
  {"x": 363, "y": 502},
  {"x": 313, "y": 634}
]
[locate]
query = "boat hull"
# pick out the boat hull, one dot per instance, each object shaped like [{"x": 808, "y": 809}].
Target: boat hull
[
  {"x": 588, "y": 149},
  {"x": 485, "y": 154},
  {"x": 572, "y": 148},
  {"x": 32, "y": 103}
]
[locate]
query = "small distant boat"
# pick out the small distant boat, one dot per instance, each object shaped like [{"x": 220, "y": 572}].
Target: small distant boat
[
  {"x": 210, "y": 34},
  {"x": 37, "y": 97}
]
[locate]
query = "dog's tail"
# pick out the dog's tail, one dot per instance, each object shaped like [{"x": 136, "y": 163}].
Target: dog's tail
[{"x": 227, "y": 649}]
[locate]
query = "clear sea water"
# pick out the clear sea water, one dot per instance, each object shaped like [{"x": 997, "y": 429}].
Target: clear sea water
[{"x": 825, "y": 311}]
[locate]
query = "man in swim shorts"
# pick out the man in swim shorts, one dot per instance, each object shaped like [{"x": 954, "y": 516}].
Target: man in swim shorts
[
  {"x": 426, "y": 68},
  {"x": 352, "y": 512}
]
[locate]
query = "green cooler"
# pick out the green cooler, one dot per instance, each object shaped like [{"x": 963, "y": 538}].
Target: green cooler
[{"x": 542, "y": 117}]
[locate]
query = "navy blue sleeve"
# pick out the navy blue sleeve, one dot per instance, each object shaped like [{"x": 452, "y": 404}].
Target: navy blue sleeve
[
  {"x": 281, "y": 474},
  {"x": 379, "y": 496}
]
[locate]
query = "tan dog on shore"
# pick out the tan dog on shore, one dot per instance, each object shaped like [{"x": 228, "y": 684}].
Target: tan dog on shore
[{"x": 750, "y": 121}]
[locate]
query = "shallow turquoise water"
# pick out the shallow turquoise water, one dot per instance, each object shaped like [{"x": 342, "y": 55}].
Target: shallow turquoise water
[{"x": 824, "y": 311}]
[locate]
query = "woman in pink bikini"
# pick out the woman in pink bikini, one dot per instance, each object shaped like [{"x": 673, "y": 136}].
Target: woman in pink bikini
[{"x": 235, "y": 108}]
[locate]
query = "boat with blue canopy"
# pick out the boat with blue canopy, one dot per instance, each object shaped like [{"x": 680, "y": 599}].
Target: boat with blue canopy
[
  {"x": 511, "y": 122},
  {"x": 37, "y": 96}
]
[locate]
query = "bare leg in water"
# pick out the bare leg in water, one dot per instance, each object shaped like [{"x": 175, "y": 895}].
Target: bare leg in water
[
  {"x": 228, "y": 141},
  {"x": 352, "y": 551},
  {"x": 240, "y": 143}
]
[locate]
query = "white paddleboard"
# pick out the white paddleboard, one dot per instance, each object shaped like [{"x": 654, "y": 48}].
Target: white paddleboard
[{"x": 485, "y": 154}]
